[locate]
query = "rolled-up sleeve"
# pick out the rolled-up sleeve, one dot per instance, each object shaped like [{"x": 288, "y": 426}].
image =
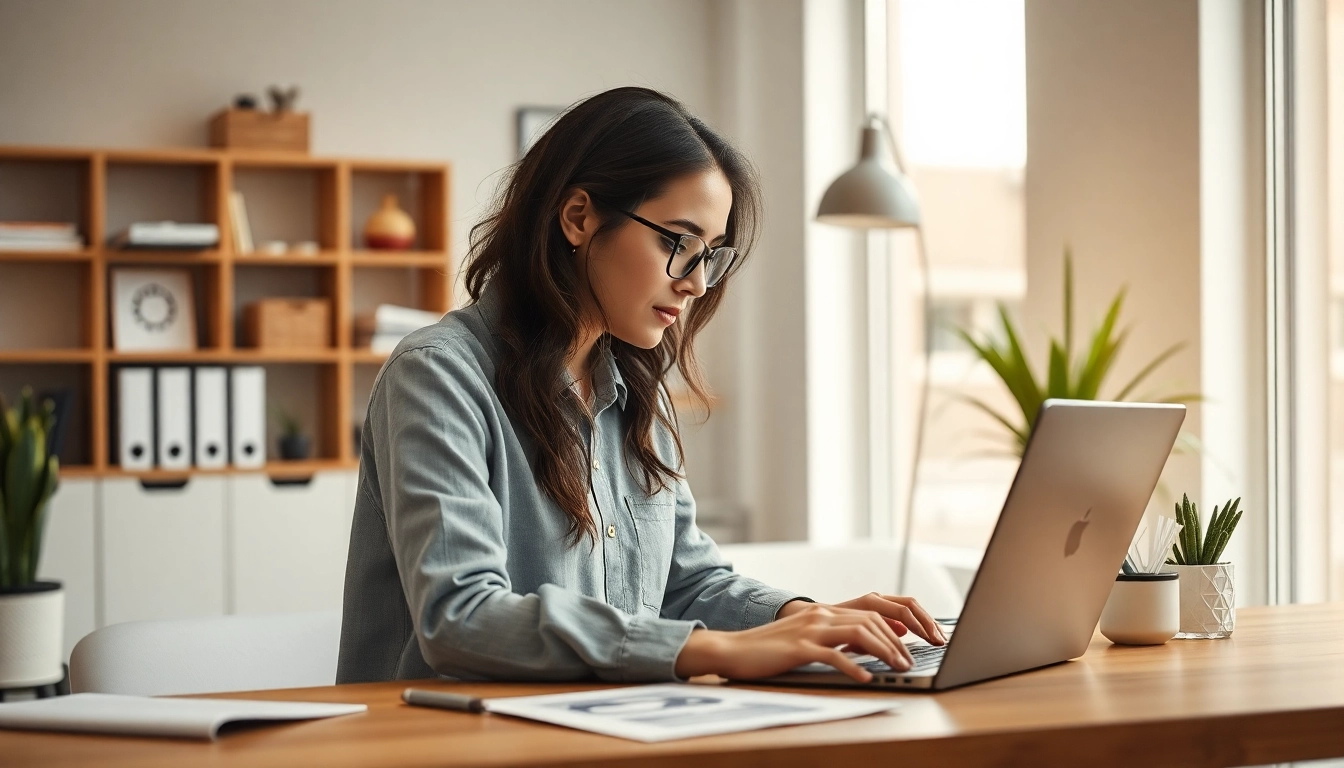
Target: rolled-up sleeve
[{"x": 431, "y": 438}]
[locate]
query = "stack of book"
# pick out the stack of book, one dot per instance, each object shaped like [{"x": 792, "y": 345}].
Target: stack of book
[
  {"x": 39, "y": 236},
  {"x": 382, "y": 330}
]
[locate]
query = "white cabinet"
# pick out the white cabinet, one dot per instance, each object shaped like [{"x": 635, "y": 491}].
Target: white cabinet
[
  {"x": 288, "y": 542},
  {"x": 68, "y": 546},
  {"x": 162, "y": 549}
]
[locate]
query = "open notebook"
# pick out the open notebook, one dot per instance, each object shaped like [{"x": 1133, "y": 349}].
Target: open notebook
[{"x": 146, "y": 716}]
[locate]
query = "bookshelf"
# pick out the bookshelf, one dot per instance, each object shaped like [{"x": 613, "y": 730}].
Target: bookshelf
[{"x": 290, "y": 197}]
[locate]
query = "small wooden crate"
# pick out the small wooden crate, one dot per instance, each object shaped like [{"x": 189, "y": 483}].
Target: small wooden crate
[
  {"x": 255, "y": 129},
  {"x": 288, "y": 324}
]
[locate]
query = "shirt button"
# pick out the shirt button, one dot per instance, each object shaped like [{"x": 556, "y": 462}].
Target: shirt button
[
  {"x": 611, "y": 531},
  {"x": 596, "y": 466}
]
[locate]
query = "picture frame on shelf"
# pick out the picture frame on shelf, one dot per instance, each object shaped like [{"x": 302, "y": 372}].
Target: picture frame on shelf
[{"x": 153, "y": 310}]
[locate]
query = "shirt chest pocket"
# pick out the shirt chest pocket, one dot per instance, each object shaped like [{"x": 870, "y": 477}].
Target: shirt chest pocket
[{"x": 655, "y": 522}]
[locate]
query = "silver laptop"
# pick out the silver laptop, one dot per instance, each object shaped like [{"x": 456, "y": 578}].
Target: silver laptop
[{"x": 1079, "y": 494}]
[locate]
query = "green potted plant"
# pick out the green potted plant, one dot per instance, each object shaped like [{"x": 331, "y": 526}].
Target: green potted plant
[
  {"x": 1208, "y": 595},
  {"x": 31, "y": 611},
  {"x": 294, "y": 444},
  {"x": 1065, "y": 377}
]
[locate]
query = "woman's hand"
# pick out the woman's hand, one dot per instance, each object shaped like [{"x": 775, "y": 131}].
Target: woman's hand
[
  {"x": 903, "y": 613},
  {"x": 812, "y": 632}
]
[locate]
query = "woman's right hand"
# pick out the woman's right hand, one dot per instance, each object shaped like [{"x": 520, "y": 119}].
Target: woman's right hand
[{"x": 817, "y": 634}]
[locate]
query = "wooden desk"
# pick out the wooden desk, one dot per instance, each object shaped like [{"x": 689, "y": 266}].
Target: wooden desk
[{"x": 1273, "y": 692}]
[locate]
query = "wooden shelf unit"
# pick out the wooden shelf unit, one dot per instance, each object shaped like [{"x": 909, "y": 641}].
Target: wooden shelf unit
[{"x": 217, "y": 273}]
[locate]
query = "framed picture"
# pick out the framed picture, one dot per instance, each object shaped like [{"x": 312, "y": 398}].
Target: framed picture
[
  {"x": 532, "y": 123},
  {"x": 153, "y": 310}
]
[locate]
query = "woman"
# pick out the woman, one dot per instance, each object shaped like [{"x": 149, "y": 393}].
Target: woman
[{"x": 521, "y": 512}]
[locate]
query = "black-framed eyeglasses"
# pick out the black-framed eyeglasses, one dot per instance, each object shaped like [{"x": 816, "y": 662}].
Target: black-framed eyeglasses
[{"x": 687, "y": 251}]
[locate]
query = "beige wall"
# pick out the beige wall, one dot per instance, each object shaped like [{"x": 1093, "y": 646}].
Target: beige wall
[{"x": 1113, "y": 170}]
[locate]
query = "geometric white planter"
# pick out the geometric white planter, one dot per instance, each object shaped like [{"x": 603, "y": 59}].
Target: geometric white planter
[
  {"x": 1208, "y": 600},
  {"x": 31, "y": 623}
]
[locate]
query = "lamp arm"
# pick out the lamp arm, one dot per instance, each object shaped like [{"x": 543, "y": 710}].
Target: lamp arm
[{"x": 923, "y": 256}]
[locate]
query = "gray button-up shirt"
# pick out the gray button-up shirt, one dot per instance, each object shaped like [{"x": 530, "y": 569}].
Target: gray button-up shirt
[{"x": 459, "y": 563}]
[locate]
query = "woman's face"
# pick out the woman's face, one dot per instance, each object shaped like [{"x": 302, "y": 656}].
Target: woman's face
[{"x": 627, "y": 267}]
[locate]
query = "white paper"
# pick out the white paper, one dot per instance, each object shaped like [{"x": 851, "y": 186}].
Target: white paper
[
  {"x": 663, "y": 712},
  {"x": 146, "y": 716}
]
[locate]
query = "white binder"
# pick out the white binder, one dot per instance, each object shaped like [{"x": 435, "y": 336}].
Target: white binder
[
  {"x": 212, "y": 417},
  {"x": 135, "y": 418},
  {"x": 247, "y": 406},
  {"x": 174, "y": 417}
]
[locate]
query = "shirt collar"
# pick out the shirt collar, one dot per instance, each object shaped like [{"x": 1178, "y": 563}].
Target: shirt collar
[{"x": 608, "y": 384}]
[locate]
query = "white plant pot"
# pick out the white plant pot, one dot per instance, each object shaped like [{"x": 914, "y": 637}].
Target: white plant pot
[
  {"x": 31, "y": 622},
  {"x": 1143, "y": 609},
  {"x": 1208, "y": 600}
]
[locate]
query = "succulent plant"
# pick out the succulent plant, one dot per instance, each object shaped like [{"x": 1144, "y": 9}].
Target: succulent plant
[
  {"x": 28, "y": 479},
  {"x": 1194, "y": 547}
]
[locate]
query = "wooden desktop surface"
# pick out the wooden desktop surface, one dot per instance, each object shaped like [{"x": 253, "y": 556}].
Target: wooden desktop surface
[{"x": 1272, "y": 692}]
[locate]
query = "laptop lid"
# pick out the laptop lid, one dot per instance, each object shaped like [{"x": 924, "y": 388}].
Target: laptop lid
[{"x": 1085, "y": 479}]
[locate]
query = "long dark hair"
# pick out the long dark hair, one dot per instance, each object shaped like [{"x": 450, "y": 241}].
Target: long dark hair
[{"x": 622, "y": 147}]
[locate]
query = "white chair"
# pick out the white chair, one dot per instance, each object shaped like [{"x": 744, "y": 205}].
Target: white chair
[
  {"x": 208, "y": 655},
  {"x": 832, "y": 574}
]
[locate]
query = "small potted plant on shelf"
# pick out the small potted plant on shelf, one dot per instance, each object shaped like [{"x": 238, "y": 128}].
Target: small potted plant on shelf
[
  {"x": 1208, "y": 597},
  {"x": 294, "y": 444},
  {"x": 31, "y": 611}
]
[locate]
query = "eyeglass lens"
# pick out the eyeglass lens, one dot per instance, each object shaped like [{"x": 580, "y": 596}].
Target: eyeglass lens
[{"x": 689, "y": 254}]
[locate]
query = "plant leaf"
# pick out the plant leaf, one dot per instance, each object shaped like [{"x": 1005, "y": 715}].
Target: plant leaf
[
  {"x": 1149, "y": 368},
  {"x": 1019, "y": 433},
  {"x": 1023, "y": 384},
  {"x": 1102, "y": 352},
  {"x": 1057, "y": 385}
]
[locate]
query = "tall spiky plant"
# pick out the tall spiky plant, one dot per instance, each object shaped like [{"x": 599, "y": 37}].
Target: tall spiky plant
[
  {"x": 1066, "y": 378},
  {"x": 28, "y": 479},
  {"x": 1194, "y": 547}
]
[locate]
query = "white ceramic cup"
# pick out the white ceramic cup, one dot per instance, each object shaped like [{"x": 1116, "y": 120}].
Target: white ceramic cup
[{"x": 1143, "y": 609}]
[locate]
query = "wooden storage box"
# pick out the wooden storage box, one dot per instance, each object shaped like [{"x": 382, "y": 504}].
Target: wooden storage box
[
  {"x": 255, "y": 129},
  {"x": 288, "y": 324}
]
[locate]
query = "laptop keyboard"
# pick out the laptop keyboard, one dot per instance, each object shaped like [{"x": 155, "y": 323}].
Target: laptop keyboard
[{"x": 925, "y": 656}]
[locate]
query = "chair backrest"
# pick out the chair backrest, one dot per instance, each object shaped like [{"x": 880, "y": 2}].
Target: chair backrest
[
  {"x": 832, "y": 574},
  {"x": 208, "y": 655}
]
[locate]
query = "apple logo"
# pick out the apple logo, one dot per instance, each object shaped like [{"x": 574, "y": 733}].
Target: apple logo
[{"x": 1076, "y": 534}]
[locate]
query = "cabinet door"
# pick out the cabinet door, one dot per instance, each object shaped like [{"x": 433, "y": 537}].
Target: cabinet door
[
  {"x": 288, "y": 542},
  {"x": 67, "y": 555},
  {"x": 163, "y": 549}
]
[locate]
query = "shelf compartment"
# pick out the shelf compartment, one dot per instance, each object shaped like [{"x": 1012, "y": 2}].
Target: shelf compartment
[
  {"x": 71, "y": 381},
  {"x": 182, "y": 187},
  {"x": 47, "y": 185},
  {"x": 291, "y": 203},
  {"x": 421, "y": 192},
  {"x": 308, "y": 281},
  {"x": 45, "y": 305}
]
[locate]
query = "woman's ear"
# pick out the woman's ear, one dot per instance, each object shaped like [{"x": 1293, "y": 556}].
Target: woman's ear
[{"x": 578, "y": 220}]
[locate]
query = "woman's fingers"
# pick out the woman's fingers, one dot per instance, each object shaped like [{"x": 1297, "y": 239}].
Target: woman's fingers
[
  {"x": 866, "y": 630},
  {"x": 925, "y": 619},
  {"x": 843, "y": 663}
]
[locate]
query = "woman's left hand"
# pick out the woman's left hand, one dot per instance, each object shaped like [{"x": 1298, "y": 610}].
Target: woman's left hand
[{"x": 902, "y": 613}]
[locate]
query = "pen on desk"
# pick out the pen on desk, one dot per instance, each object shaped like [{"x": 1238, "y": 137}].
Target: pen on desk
[{"x": 455, "y": 701}]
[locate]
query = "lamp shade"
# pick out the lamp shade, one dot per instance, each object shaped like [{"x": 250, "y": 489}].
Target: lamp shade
[{"x": 869, "y": 195}]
